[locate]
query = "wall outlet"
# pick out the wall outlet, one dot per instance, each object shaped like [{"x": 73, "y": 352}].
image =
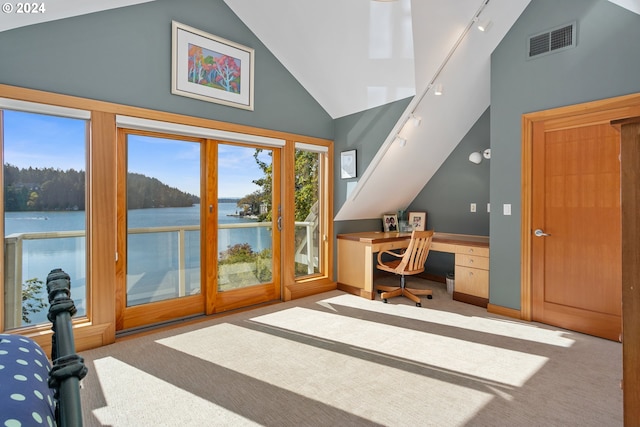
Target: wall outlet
[
  {"x": 488, "y": 207},
  {"x": 506, "y": 209},
  {"x": 473, "y": 207}
]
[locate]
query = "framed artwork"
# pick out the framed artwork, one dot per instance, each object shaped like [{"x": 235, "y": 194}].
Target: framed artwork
[
  {"x": 348, "y": 164},
  {"x": 417, "y": 220},
  {"x": 390, "y": 222},
  {"x": 211, "y": 68}
]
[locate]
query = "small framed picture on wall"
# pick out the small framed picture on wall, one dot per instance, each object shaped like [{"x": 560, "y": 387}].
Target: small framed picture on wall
[
  {"x": 418, "y": 220},
  {"x": 348, "y": 164},
  {"x": 389, "y": 222}
]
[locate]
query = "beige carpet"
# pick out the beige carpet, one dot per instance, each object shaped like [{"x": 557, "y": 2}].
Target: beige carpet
[{"x": 339, "y": 360}]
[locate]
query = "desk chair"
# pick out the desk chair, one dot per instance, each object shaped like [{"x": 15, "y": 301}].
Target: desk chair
[{"x": 408, "y": 263}]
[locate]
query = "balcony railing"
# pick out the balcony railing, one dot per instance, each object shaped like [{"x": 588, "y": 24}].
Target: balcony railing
[{"x": 14, "y": 257}]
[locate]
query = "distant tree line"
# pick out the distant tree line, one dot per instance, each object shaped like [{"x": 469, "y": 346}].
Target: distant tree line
[
  {"x": 144, "y": 192},
  {"x": 50, "y": 189}
]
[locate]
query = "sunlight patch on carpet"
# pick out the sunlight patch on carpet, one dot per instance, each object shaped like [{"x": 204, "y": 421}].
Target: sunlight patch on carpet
[
  {"x": 491, "y": 363},
  {"x": 135, "y": 398},
  {"x": 506, "y": 328},
  {"x": 380, "y": 393}
]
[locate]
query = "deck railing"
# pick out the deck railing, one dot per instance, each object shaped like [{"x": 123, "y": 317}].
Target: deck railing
[{"x": 14, "y": 257}]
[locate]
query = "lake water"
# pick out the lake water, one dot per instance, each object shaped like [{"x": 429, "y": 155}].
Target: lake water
[{"x": 40, "y": 256}]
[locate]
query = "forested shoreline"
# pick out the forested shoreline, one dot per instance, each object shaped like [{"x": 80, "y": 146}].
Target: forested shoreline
[{"x": 50, "y": 189}]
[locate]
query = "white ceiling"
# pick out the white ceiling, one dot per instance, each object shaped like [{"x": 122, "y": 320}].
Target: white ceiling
[{"x": 352, "y": 55}]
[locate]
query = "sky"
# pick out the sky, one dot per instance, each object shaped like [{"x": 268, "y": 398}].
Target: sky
[{"x": 41, "y": 141}]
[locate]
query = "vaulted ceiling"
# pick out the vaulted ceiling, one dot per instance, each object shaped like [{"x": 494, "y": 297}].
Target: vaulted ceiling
[{"x": 357, "y": 54}]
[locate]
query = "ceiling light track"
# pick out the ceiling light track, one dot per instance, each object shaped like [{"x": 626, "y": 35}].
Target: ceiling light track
[
  {"x": 416, "y": 102},
  {"x": 470, "y": 25}
]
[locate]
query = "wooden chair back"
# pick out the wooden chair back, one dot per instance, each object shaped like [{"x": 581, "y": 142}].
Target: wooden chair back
[{"x": 414, "y": 257}]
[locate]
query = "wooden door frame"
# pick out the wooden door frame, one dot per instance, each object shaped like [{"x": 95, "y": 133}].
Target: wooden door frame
[{"x": 630, "y": 199}]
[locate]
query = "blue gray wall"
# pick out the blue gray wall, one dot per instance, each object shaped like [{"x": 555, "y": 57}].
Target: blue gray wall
[
  {"x": 364, "y": 132},
  {"x": 447, "y": 197},
  {"x": 604, "y": 64},
  {"x": 124, "y": 56}
]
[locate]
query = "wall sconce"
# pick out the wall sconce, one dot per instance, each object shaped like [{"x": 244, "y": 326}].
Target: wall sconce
[{"x": 476, "y": 156}]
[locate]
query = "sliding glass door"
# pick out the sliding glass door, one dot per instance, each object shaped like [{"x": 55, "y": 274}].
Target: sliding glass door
[
  {"x": 160, "y": 250},
  {"x": 248, "y": 224},
  {"x": 198, "y": 227}
]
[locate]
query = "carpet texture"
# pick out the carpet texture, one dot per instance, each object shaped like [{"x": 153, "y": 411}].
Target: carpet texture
[{"x": 339, "y": 360}]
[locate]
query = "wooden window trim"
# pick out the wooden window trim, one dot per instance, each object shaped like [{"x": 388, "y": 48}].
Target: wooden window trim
[{"x": 99, "y": 328}]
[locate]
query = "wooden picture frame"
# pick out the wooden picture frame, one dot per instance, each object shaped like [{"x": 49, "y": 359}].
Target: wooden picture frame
[
  {"x": 348, "y": 164},
  {"x": 210, "y": 68},
  {"x": 418, "y": 220},
  {"x": 390, "y": 222}
]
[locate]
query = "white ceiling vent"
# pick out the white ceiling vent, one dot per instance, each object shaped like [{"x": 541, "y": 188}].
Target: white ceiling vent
[{"x": 551, "y": 41}]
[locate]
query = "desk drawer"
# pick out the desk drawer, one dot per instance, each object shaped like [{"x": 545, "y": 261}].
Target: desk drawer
[
  {"x": 472, "y": 250},
  {"x": 390, "y": 246},
  {"x": 472, "y": 261},
  {"x": 442, "y": 247},
  {"x": 472, "y": 281}
]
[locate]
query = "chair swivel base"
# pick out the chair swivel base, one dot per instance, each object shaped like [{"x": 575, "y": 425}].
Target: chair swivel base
[{"x": 387, "y": 292}]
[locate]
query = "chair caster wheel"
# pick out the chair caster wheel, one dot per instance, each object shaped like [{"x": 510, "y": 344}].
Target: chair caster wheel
[
  {"x": 429, "y": 296},
  {"x": 384, "y": 300},
  {"x": 379, "y": 291},
  {"x": 418, "y": 304}
]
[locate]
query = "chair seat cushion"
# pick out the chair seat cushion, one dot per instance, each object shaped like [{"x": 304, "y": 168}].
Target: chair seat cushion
[{"x": 25, "y": 396}]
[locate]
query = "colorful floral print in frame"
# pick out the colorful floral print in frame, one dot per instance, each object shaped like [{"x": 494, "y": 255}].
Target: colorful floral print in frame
[{"x": 210, "y": 68}]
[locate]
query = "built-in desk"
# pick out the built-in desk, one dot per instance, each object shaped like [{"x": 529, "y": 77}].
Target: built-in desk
[{"x": 356, "y": 263}]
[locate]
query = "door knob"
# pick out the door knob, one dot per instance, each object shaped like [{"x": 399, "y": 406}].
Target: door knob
[{"x": 540, "y": 233}]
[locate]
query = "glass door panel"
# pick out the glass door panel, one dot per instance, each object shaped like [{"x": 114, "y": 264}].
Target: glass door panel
[
  {"x": 308, "y": 213},
  {"x": 247, "y": 271},
  {"x": 163, "y": 229},
  {"x": 163, "y": 219}
]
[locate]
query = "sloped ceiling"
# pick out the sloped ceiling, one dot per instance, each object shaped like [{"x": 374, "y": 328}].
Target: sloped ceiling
[
  {"x": 352, "y": 55},
  {"x": 462, "y": 66}
]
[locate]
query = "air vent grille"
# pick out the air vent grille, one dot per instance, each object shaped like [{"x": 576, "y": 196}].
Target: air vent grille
[{"x": 560, "y": 38}]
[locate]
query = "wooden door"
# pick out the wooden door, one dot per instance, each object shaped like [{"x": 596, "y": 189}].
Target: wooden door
[{"x": 576, "y": 242}]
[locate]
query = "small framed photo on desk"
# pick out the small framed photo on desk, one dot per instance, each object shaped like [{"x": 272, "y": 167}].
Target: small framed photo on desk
[
  {"x": 389, "y": 222},
  {"x": 417, "y": 220}
]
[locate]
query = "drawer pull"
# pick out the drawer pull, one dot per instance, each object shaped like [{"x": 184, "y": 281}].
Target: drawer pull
[
  {"x": 470, "y": 250},
  {"x": 470, "y": 273},
  {"x": 471, "y": 261}
]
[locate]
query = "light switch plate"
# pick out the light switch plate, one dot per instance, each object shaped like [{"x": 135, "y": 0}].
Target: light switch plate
[
  {"x": 473, "y": 207},
  {"x": 506, "y": 209}
]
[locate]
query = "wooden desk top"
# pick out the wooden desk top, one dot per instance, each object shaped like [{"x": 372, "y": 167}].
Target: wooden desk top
[{"x": 374, "y": 237}]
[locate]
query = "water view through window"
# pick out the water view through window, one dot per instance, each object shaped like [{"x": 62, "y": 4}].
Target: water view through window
[
  {"x": 44, "y": 211},
  {"x": 163, "y": 219}
]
